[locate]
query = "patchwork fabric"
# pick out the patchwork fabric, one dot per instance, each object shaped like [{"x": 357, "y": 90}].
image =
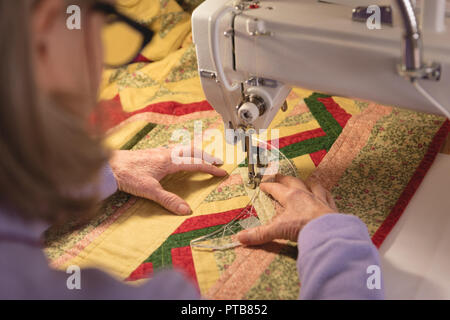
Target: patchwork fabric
[{"x": 371, "y": 157}]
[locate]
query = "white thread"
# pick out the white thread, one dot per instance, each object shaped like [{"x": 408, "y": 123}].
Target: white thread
[{"x": 199, "y": 243}]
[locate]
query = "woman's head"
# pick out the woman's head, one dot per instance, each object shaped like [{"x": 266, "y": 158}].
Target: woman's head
[
  {"x": 49, "y": 76},
  {"x": 66, "y": 60}
]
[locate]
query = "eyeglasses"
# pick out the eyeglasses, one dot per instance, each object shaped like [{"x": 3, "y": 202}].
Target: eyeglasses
[{"x": 123, "y": 38}]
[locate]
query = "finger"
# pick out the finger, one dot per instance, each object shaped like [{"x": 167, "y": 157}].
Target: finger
[
  {"x": 292, "y": 182},
  {"x": 258, "y": 235},
  {"x": 195, "y": 153},
  {"x": 200, "y": 167},
  {"x": 278, "y": 191},
  {"x": 206, "y": 156},
  {"x": 171, "y": 201},
  {"x": 267, "y": 178},
  {"x": 319, "y": 191},
  {"x": 187, "y": 151},
  {"x": 331, "y": 202}
]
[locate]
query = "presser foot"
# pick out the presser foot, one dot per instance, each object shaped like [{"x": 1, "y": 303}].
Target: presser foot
[{"x": 253, "y": 181}]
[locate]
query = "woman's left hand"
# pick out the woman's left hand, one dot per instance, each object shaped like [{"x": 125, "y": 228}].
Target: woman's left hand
[{"x": 140, "y": 172}]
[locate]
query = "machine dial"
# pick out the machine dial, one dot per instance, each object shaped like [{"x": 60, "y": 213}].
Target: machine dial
[{"x": 251, "y": 109}]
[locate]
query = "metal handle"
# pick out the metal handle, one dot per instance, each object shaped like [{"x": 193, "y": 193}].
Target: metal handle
[{"x": 413, "y": 66}]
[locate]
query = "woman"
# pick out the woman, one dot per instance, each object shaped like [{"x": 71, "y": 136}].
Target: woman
[{"x": 52, "y": 168}]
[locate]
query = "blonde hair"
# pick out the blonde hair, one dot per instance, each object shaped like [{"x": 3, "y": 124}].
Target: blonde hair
[{"x": 46, "y": 150}]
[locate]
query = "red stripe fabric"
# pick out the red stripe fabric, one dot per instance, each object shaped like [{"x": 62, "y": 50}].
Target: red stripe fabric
[
  {"x": 412, "y": 186},
  {"x": 339, "y": 114},
  {"x": 110, "y": 112},
  {"x": 141, "y": 58},
  {"x": 145, "y": 270},
  {"x": 176, "y": 108},
  {"x": 299, "y": 137},
  {"x": 210, "y": 220},
  {"x": 183, "y": 261},
  {"x": 317, "y": 157}
]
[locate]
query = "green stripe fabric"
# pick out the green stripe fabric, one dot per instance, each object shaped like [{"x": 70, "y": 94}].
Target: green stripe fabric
[
  {"x": 162, "y": 257},
  {"x": 138, "y": 136},
  {"x": 323, "y": 117}
]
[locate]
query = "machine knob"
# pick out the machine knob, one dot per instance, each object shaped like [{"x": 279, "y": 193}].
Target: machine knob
[
  {"x": 248, "y": 112},
  {"x": 252, "y": 109}
]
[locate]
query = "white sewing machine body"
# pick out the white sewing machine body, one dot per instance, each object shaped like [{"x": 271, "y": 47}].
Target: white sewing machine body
[
  {"x": 317, "y": 46},
  {"x": 271, "y": 46}
]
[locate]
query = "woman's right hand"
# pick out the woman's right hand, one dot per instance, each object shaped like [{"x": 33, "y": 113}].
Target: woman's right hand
[{"x": 300, "y": 204}]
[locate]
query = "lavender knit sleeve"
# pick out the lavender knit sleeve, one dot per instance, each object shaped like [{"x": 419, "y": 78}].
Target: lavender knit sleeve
[
  {"x": 337, "y": 260},
  {"x": 108, "y": 183}
]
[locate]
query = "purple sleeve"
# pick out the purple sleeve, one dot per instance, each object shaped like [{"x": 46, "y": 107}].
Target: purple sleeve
[
  {"x": 24, "y": 274},
  {"x": 165, "y": 285},
  {"x": 105, "y": 187},
  {"x": 337, "y": 260},
  {"x": 108, "y": 183}
]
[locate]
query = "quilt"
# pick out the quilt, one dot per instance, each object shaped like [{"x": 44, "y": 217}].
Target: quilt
[{"x": 371, "y": 157}]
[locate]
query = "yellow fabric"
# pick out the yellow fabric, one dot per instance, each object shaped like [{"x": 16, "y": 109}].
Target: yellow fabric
[
  {"x": 142, "y": 229},
  {"x": 184, "y": 91},
  {"x": 155, "y": 14},
  {"x": 124, "y": 244},
  {"x": 206, "y": 269},
  {"x": 145, "y": 226},
  {"x": 348, "y": 105},
  {"x": 304, "y": 165},
  {"x": 205, "y": 265},
  {"x": 119, "y": 138},
  {"x": 172, "y": 28}
]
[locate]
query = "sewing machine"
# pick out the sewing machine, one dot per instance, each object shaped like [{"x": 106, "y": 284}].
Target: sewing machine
[{"x": 251, "y": 53}]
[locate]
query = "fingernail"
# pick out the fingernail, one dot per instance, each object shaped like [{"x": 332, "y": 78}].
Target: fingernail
[
  {"x": 216, "y": 161},
  {"x": 184, "y": 209}
]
